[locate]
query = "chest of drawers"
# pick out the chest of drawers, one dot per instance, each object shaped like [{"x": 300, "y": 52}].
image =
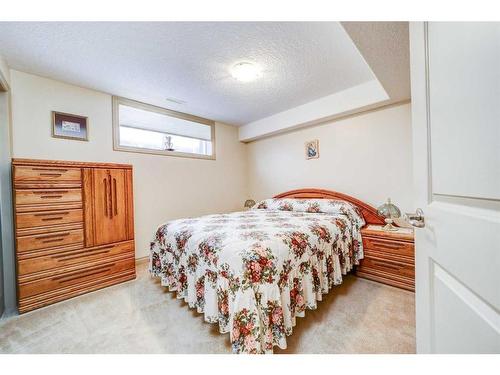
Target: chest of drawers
[{"x": 74, "y": 228}]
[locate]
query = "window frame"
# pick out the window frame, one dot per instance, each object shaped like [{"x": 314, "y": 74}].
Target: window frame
[{"x": 168, "y": 112}]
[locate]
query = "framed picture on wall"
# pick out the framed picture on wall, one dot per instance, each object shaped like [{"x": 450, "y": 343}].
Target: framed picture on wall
[
  {"x": 69, "y": 126},
  {"x": 312, "y": 149}
]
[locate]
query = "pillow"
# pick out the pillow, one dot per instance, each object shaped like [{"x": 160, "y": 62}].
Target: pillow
[{"x": 326, "y": 206}]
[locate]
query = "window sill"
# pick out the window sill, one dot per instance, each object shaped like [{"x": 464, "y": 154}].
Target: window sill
[{"x": 178, "y": 154}]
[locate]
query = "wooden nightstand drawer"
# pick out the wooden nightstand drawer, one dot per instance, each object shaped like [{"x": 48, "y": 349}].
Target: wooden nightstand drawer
[
  {"x": 380, "y": 254},
  {"x": 389, "y": 246},
  {"x": 389, "y": 266},
  {"x": 386, "y": 278}
]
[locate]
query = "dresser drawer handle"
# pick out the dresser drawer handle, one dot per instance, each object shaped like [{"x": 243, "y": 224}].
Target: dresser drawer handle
[
  {"x": 52, "y": 218},
  {"x": 53, "y": 240},
  {"x": 52, "y": 236},
  {"x": 68, "y": 255},
  {"x": 115, "y": 197},
  {"x": 79, "y": 254},
  {"x": 107, "y": 248},
  {"x": 50, "y": 192},
  {"x": 45, "y": 169},
  {"x": 50, "y": 196},
  {"x": 78, "y": 274},
  {"x": 52, "y": 213},
  {"x": 50, "y": 174}
]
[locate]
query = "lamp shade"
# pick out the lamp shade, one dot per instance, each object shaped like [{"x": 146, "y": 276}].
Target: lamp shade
[
  {"x": 389, "y": 210},
  {"x": 249, "y": 203}
]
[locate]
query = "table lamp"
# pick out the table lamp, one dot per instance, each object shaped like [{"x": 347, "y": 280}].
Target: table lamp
[{"x": 389, "y": 211}]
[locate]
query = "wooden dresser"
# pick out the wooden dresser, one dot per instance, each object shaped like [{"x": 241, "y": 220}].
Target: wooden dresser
[
  {"x": 389, "y": 257},
  {"x": 74, "y": 228}
]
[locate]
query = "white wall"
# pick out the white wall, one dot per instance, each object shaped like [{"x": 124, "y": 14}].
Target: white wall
[
  {"x": 164, "y": 187},
  {"x": 368, "y": 156}
]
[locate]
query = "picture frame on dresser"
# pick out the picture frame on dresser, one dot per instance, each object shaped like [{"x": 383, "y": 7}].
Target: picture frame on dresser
[{"x": 74, "y": 228}]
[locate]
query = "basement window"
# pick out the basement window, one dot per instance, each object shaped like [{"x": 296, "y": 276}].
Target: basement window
[{"x": 144, "y": 128}]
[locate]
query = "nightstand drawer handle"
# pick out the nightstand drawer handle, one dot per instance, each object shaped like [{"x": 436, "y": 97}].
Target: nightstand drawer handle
[
  {"x": 386, "y": 265},
  {"x": 387, "y": 245}
]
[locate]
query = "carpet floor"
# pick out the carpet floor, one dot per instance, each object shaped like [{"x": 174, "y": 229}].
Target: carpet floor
[{"x": 140, "y": 316}]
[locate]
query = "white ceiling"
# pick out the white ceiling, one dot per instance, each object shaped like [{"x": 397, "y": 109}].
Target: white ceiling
[
  {"x": 386, "y": 48},
  {"x": 190, "y": 61}
]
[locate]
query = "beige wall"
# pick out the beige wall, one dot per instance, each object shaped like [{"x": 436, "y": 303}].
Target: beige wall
[
  {"x": 164, "y": 187},
  {"x": 368, "y": 156}
]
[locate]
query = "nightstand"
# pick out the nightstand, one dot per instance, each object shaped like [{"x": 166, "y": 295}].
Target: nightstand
[{"x": 389, "y": 257}]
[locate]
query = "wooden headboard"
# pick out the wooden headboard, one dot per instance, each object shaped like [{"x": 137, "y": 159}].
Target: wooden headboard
[{"x": 369, "y": 213}]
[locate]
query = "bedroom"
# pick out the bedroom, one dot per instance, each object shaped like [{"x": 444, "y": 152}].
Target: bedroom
[{"x": 233, "y": 196}]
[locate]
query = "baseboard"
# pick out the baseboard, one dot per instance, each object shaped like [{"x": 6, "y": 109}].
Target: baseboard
[{"x": 142, "y": 260}]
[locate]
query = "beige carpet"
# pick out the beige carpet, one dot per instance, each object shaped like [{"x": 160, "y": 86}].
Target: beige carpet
[{"x": 140, "y": 316}]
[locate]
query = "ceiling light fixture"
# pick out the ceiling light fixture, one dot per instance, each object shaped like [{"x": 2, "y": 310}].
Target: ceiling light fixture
[{"x": 246, "y": 71}]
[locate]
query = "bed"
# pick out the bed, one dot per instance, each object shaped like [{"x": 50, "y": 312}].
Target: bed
[{"x": 254, "y": 272}]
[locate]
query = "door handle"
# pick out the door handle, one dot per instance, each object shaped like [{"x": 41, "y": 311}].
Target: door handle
[{"x": 416, "y": 219}]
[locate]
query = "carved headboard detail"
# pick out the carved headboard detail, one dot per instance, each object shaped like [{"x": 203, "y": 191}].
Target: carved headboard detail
[{"x": 369, "y": 213}]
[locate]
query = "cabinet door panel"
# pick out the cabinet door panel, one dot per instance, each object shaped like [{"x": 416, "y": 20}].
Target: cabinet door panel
[{"x": 110, "y": 203}]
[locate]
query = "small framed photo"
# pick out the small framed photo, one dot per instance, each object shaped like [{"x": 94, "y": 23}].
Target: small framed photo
[
  {"x": 69, "y": 126},
  {"x": 312, "y": 149}
]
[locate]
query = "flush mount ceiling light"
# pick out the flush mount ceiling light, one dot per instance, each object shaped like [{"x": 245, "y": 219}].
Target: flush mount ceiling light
[{"x": 246, "y": 71}]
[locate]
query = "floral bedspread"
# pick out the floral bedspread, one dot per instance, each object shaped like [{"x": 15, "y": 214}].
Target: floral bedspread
[{"x": 254, "y": 272}]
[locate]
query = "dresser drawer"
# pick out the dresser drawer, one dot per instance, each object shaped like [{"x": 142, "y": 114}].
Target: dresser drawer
[
  {"x": 46, "y": 218},
  {"x": 47, "y": 196},
  {"x": 389, "y": 246},
  {"x": 73, "y": 277},
  {"x": 66, "y": 256},
  {"x": 43, "y": 241},
  {"x": 46, "y": 174},
  {"x": 40, "y": 300}
]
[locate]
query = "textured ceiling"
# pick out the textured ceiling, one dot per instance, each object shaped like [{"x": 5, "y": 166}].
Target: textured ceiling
[
  {"x": 190, "y": 62},
  {"x": 386, "y": 48}
]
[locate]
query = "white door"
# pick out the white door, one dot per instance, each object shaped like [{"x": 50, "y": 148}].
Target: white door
[{"x": 455, "y": 78}]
